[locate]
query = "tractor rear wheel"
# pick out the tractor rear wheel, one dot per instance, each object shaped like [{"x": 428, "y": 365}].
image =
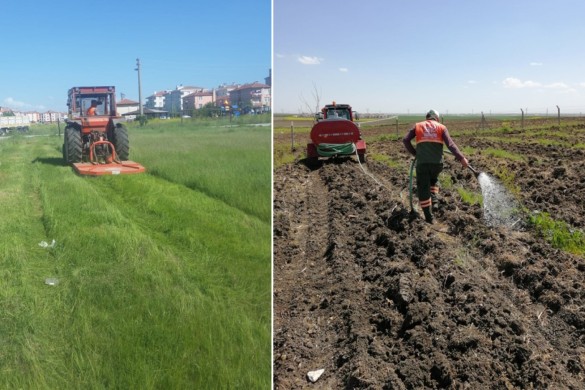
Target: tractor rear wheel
[
  {"x": 121, "y": 142},
  {"x": 72, "y": 145}
]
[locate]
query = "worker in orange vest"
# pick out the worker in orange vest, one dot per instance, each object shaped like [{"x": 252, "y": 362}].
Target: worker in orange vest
[
  {"x": 430, "y": 137},
  {"x": 91, "y": 111}
]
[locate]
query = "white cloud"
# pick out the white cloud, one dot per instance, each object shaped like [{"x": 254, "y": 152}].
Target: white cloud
[
  {"x": 10, "y": 102},
  {"x": 14, "y": 104},
  {"x": 306, "y": 60},
  {"x": 582, "y": 85},
  {"x": 536, "y": 64},
  {"x": 278, "y": 55},
  {"x": 557, "y": 86},
  {"x": 471, "y": 82},
  {"x": 512, "y": 82},
  {"x": 343, "y": 70}
]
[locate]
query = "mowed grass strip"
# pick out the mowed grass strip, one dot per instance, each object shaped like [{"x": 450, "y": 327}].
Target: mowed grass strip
[
  {"x": 230, "y": 163},
  {"x": 160, "y": 286}
]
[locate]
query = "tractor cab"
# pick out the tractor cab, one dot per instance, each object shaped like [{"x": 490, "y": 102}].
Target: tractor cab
[
  {"x": 342, "y": 111},
  {"x": 80, "y": 100},
  {"x": 336, "y": 111}
]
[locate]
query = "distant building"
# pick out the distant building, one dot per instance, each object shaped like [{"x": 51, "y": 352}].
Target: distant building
[
  {"x": 50, "y": 117},
  {"x": 33, "y": 116},
  {"x": 254, "y": 96},
  {"x": 174, "y": 98},
  {"x": 268, "y": 80},
  {"x": 156, "y": 100},
  {"x": 125, "y": 106},
  {"x": 198, "y": 100}
]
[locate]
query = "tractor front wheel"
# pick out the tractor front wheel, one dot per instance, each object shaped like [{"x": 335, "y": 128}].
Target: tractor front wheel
[
  {"x": 121, "y": 142},
  {"x": 72, "y": 145}
]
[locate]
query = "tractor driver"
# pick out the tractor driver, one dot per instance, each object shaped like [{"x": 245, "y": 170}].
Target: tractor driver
[
  {"x": 91, "y": 111},
  {"x": 430, "y": 137}
]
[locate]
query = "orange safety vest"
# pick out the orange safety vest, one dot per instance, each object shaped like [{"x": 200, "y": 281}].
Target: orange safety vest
[{"x": 429, "y": 131}]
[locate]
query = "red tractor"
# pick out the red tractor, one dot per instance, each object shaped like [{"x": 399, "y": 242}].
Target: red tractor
[
  {"x": 336, "y": 134},
  {"x": 95, "y": 141}
]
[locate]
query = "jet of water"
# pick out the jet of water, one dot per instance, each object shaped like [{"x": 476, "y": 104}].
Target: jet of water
[{"x": 499, "y": 206}]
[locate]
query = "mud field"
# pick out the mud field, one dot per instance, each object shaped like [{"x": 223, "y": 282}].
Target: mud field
[{"x": 383, "y": 301}]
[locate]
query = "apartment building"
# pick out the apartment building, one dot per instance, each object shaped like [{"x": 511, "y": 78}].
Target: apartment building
[
  {"x": 198, "y": 100},
  {"x": 174, "y": 98},
  {"x": 254, "y": 96},
  {"x": 156, "y": 100}
]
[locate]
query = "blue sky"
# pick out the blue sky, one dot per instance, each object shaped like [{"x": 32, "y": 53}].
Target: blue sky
[
  {"x": 409, "y": 56},
  {"x": 51, "y": 46}
]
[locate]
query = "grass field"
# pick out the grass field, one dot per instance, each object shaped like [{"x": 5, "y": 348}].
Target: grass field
[{"x": 163, "y": 278}]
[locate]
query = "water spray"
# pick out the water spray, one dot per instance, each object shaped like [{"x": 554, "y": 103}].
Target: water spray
[{"x": 499, "y": 206}]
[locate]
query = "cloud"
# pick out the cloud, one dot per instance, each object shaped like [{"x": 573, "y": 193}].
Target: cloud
[
  {"x": 306, "y": 60},
  {"x": 344, "y": 70},
  {"x": 582, "y": 85},
  {"x": 10, "y": 102},
  {"x": 557, "y": 86},
  {"x": 278, "y": 55},
  {"x": 512, "y": 82},
  {"x": 471, "y": 82},
  {"x": 536, "y": 64},
  {"x": 14, "y": 104}
]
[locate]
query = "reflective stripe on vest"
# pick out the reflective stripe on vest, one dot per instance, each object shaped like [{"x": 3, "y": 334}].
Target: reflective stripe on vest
[{"x": 429, "y": 131}]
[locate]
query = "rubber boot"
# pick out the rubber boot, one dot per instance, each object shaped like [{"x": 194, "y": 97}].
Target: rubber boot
[
  {"x": 435, "y": 202},
  {"x": 428, "y": 214}
]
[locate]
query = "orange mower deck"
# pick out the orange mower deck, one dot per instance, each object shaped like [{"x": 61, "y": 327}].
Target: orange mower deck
[{"x": 122, "y": 168}]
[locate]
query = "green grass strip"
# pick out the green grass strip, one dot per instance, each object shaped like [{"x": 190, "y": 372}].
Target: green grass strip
[{"x": 560, "y": 234}]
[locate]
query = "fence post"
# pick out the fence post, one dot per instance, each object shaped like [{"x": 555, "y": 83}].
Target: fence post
[
  {"x": 397, "y": 135},
  {"x": 559, "y": 115},
  {"x": 292, "y": 136}
]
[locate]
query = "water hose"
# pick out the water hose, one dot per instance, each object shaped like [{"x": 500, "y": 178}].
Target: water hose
[
  {"x": 329, "y": 150},
  {"x": 410, "y": 185}
]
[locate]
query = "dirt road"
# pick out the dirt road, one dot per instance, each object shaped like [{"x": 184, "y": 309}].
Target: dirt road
[{"x": 384, "y": 301}]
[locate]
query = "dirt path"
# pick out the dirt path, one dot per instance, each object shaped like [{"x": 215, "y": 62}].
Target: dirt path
[{"x": 381, "y": 300}]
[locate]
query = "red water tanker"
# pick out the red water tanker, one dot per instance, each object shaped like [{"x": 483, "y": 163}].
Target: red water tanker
[{"x": 336, "y": 134}]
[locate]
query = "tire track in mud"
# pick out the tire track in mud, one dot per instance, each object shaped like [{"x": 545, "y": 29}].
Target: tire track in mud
[
  {"x": 461, "y": 305},
  {"x": 307, "y": 307}
]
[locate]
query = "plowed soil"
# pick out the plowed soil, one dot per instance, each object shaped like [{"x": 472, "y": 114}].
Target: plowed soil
[{"x": 382, "y": 300}]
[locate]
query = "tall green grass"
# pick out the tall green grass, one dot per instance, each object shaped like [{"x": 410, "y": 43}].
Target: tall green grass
[
  {"x": 229, "y": 163},
  {"x": 499, "y": 153},
  {"x": 161, "y": 285}
]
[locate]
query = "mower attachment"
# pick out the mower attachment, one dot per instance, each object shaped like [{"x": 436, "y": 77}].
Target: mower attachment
[{"x": 121, "y": 168}]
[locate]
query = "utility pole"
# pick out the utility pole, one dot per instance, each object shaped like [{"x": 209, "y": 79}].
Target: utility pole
[{"x": 139, "y": 87}]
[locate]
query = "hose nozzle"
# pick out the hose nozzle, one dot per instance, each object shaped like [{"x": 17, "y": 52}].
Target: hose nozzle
[{"x": 476, "y": 173}]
